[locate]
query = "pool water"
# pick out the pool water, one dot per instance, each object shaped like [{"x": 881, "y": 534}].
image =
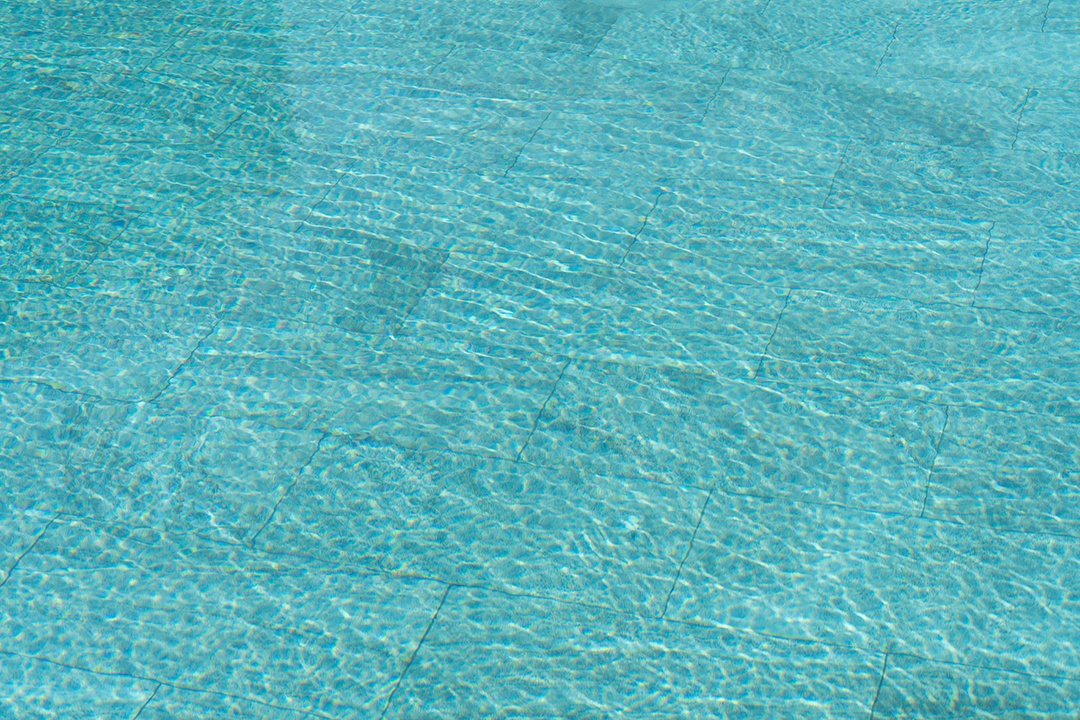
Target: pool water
[{"x": 540, "y": 359}]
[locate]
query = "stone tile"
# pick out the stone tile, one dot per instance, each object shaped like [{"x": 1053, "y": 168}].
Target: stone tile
[
  {"x": 643, "y": 153},
  {"x": 953, "y": 51},
  {"x": 1011, "y": 471},
  {"x": 487, "y": 652},
  {"x": 49, "y": 440},
  {"x": 187, "y": 260},
  {"x": 1049, "y": 121},
  {"x": 95, "y": 343},
  {"x": 1032, "y": 268},
  {"x": 19, "y": 529},
  {"x": 939, "y": 590},
  {"x": 171, "y": 703},
  {"x": 955, "y": 183},
  {"x": 555, "y": 532},
  {"x": 134, "y": 176},
  {"x": 563, "y": 304},
  {"x": 710, "y": 240},
  {"x": 683, "y": 35},
  {"x": 51, "y": 242},
  {"x": 424, "y": 206},
  {"x": 442, "y": 24},
  {"x": 102, "y": 39},
  {"x": 1062, "y": 18},
  {"x": 819, "y": 103},
  {"x": 465, "y": 397},
  {"x": 191, "y": 613},
  {"x": 353, "y": 280},
  {"x": 848, "y": 36},
  {"x": 812, "y": 443},
  {"x": 434, "y": 208},
  {"x": 39, "y": 689},
  {"x": 940, "y": 353},
  {"x": 926, "y": 689},
  {"x": 972, "y": 18},
  {"x": 217, "y": 477},
  {"x": 21, "y": 144},
  {"x": 451, "y": 133},
  {"x": 522, "y": 75}
]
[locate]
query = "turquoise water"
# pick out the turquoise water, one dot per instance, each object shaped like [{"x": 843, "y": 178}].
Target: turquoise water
[{"x": 540, "y": 359}]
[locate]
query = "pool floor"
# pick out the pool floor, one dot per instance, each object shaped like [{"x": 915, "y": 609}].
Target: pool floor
[{"x": 540, "y": 359}]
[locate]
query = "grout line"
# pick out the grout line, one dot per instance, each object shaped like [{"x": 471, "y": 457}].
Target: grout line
[
  {"x": 543, "y": 407},
  {"x": 28, "y": 550},
  {"x": 341, "y": 17},
  {"x": 933, "y": 464},
  {"x": 506, "y": 172},
  {"x": 1020, "y": 116},
  {"x": 435, "y": 275},
  {"x": 712, "y": 98},
  {"x": 982, "y": 262},
  {"x": 416, "y": 651},
  {"x": 185, "y": 361},
  {"x": 289, "y": 489},
  {"x": 888, "y": 46},
  {"x": 599, "y": 42},
  {"x": 184, "y": 688},
  {"x": 148, "y": 701},
  {"x": 776, "y": 327},
  {"x": 689, "y": 548},
  {"x": 644, "y": 222},
  {"x": 836, "y": 174},
  {"x": 881, "y": 681}
]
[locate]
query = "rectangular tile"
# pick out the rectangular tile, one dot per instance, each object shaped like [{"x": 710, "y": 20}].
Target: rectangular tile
[
  {"x": 130, "y": 175},
  {"x": 941, "y": 353},
  {"x": 561, "y": 533},
  {"x": 938, "y": 590},
  {"x": 1011, "y": 56},
  {"x": 220, "y": 618},
  {"x": 710, "y": 240},
  {"x": 40, "y": 689},
  {"x": 1013, "y": 471},
  {"x": 460, "y": 396},
  {"x": 171, "y": 703},
  {"x": 926, "y": 689},
  {"x": 51, "y": 242},
  {"x": 1049, "y": 121},
  {"x": 49, "y": 440},
  {"x": 821, "y": 103},
  {"x": 951, "y": 183},
  {"x": 219, "y": 478},
  {"x": 1032, "y": 268},
  {"x": 682, "y": 35},
  {"x": 972, "y": 18},
  {"x": 453, "y": 134},
  {"x": 19, "y": 529},
  {"x": 848, "y": 36},
  {"x": 1062, "y": 18},
  {"x": 443, "y": 209},
  {"x": 565, "y": 305},
  {"x": 812, "y": 443},
  {"x": 127, "y": 349},
  {"x": 640, "y": 152},
  {"x": 487, "y": 652}
]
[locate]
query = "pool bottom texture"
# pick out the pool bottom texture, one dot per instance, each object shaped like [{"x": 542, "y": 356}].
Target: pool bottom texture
[{"x": 540, "y": 359}]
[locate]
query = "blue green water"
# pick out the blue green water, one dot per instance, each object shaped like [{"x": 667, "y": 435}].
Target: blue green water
[{"x": 540, "y": 359}]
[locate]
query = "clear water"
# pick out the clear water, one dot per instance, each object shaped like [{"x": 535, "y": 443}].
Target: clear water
[{"x": 552, "y": 359}]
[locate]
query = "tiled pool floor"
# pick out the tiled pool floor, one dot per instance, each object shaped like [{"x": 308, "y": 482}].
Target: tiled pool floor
[{"x": 540, "y": 359}]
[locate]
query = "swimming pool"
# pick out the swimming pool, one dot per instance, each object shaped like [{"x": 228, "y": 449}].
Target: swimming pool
[{"x": 546, "y": 359}]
